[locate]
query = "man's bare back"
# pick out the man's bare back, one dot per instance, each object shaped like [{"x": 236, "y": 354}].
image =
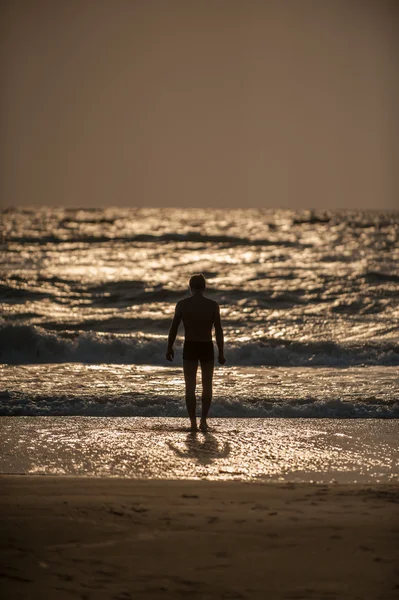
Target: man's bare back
[{"x": 199, "y": 315}]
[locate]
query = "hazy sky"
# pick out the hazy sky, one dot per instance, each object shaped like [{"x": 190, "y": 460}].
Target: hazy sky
[{"x": 271, "y": 103}]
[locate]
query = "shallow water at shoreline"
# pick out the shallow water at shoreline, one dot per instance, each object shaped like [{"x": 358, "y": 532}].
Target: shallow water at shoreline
[{"x": 344, "y": 451}]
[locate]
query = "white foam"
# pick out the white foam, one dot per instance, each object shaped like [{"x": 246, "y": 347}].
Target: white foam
[
  {"x": 169, "y": 406},
  {"x": 30, "y": 344}
]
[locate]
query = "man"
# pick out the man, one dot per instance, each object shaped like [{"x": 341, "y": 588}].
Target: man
[{"x": 199, "y": 315}]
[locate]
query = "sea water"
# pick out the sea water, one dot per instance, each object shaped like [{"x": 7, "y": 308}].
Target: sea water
[{"x": 309, "y": 305}]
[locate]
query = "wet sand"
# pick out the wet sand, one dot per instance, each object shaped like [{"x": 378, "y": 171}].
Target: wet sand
[
  {"x": 292, "y": 450},
  {"x": 90, "y": 538}
]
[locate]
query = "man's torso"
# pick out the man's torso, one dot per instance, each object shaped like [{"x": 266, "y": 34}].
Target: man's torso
[{"x": 198, "y": 315}]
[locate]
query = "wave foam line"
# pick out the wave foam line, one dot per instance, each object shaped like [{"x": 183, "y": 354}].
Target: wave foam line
[{"x": 164, "y": 406}]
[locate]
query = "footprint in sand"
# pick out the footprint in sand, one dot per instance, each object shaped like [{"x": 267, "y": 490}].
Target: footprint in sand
[{"x": 213, "y": 520}]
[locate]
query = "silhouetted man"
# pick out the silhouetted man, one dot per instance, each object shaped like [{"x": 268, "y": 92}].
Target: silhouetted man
[{"x": 199, "y": 315}]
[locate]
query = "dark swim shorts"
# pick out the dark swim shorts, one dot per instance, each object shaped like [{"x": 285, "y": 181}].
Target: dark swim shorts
[{"x": 202, "y": 351}]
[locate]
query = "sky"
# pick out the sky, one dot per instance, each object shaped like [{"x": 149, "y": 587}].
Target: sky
[{"x": 214, "y": 103}]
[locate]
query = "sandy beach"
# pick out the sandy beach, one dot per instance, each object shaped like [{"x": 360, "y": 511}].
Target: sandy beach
[{"x": 67, "y": 537}]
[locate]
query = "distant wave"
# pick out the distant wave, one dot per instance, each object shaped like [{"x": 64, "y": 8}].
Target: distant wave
[
  {"x": 15, "y": 293},
  {"x": 191, "y": 236},
  {"x": 380, "y": 277},
  {"x": 124, "y": 293},
  {"x": 136, "y": 405},
  {"x": 24, "y": 344}
]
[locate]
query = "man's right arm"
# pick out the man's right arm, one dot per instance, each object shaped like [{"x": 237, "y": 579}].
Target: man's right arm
[
  {"x": 173, "y": 332},
  {"x": 219, "y": 335}
]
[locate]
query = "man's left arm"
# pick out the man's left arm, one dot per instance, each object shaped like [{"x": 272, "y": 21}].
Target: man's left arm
[{"x": 173, "y": 332}]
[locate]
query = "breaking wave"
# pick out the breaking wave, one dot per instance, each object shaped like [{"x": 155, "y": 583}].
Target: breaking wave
[
  {"x": 25, "y": 344},
  {"x": 137, "y": 405}
]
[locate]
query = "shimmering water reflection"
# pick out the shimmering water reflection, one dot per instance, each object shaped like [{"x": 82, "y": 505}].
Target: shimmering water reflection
[{"x": 242, "y": 449}]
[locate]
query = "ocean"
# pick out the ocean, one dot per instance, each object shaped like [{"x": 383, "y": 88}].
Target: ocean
[{"x": 309, "y": 304}]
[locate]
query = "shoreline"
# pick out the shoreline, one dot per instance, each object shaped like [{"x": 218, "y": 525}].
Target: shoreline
[
  {"x": 301, "y": 450},
  {"x": 122, "y": 538}
]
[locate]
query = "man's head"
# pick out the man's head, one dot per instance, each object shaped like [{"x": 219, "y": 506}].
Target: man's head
[{"x": 197, "y": 283}]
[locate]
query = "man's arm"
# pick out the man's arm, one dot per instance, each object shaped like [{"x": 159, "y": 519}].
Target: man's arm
[
  {"x": 173, "y": 332},
  {"x": 219, "y": 335}
]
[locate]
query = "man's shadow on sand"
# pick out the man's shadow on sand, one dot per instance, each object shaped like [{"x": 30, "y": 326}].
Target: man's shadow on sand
[{"x": 202, "y": 448}]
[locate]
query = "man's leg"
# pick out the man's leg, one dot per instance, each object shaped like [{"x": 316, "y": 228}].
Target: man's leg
[
  {"x": 207, "y": 379},
  {"x": 190, "y": 377}
]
